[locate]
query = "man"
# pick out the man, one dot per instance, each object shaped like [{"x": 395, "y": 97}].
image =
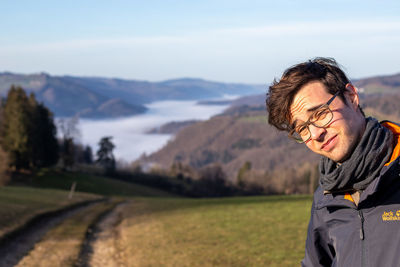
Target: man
[{"x": 355, "y": 216}]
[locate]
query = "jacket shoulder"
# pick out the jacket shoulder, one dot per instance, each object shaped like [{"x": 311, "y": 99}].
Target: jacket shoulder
[{"x": 318, "y": 194}]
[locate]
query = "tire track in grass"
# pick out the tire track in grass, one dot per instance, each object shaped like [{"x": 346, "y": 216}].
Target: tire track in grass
[
  {"x": 15, "y": 245},
  {"x": 102, "y": 243}
]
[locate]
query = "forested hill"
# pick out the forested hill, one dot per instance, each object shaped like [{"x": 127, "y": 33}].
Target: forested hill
[
  {"x": 97, "y": 97},
  {"x": 241, "y": 141},
  {"x": 231, "y": 139}
]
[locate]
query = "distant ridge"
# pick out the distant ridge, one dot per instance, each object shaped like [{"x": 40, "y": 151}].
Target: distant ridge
[
  {"x": 97, "y": 97},
  {"x": 241, "y": 134},
  {"x": 380, "y": 84}
]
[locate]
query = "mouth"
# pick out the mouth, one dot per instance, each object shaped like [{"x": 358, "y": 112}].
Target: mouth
[{"x": 328, "y": 145}]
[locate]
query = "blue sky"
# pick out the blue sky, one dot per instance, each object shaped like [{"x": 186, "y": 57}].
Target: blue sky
[{"x": 231, "y": 41}]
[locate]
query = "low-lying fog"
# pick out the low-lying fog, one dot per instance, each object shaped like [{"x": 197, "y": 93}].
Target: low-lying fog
[{"x": 129, "y": 134}]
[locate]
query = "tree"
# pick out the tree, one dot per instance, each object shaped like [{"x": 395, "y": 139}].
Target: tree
[
  {"x": 4, "y": 159},
  {"x": 105, "y": 155},
  {"x": 87, "y": 155},
  {"x": 69, "y": 127},
  {"x": 44, "y": 142},
  {"x": 16, "y": 129},
  {"x": 242, "y": 174},
  {"x": 70, "y": 131},
  {"x": 68, "y": 153},
  {"x": 4, "y": 173},
  {"x": 28, "y": 133},
  {"x": 212, "y": 182}
]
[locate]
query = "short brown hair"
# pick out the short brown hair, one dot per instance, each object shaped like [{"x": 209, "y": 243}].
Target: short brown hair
[{"x": 282, "y": 92}]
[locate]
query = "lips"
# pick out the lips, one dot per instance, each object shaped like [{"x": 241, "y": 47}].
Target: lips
[{"x": 328, "y": 145}]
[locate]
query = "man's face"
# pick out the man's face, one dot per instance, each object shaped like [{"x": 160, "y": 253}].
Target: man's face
[{"x": 338, "y": 139}]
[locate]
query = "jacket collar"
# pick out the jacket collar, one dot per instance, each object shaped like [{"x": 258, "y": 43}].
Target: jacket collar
[
  {"x": 342, "y": 198},
  {"x": 384, "y": 183},
  {"x": 395, "y": 128}
]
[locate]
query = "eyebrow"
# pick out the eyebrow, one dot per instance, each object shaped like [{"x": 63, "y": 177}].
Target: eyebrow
[
  {"x": 315, "y": 107},
  {"x": 312, "y": 109},
  {"x": 327, "y": 103},
  {"x": 294, "y": 124}
]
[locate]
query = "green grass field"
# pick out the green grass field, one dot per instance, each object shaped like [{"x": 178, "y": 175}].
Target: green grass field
[
  {"x": 245, "y": 231},
  {"x": 160, "y": 230},
  {"x": 50, "y": 192},
  {"x": 93, "y": 184},
  {"x": 19, "y": 204}
]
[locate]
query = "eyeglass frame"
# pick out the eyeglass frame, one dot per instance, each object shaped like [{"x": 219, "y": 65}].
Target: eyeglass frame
[{"x": 308, "y": 122}]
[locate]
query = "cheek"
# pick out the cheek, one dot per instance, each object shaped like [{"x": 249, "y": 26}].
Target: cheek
[
  {"x": 338, "y": 124},
  {"x": 310, "y": 146}
]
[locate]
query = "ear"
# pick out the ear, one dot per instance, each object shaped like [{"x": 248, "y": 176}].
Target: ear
[{"x": 351, "y": 94}]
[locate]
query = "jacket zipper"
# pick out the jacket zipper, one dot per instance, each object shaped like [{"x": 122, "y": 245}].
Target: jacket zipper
[{"x": 362, "y": 237}]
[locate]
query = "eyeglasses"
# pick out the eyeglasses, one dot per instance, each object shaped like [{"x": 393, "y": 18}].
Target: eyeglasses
[{"x": 319, "y": 118}]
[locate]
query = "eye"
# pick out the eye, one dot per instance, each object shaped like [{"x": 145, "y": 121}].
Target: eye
[
  {"x": 301, "y": 130},
  {"x": 320, "y": 114}
]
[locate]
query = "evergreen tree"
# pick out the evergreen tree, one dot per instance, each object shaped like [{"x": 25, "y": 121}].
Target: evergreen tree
[
  {"x": 4, "y": 175},
  {"x": 45, "y": 146},
  {"x": 28, "y": 132},
  {"x": 105, "y": 155},
  {"x": 88, "y": 155},
  {"x": 17, "y": 125}
]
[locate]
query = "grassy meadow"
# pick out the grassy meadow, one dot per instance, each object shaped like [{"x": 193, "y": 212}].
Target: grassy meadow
[
  {"x": 244, "y": 231},
  {"x": 157, "y": 229},
  {"x": 19, "y": 204},
  {"x": 93, "y": 184},
  {"x": 50, "y": 192}
]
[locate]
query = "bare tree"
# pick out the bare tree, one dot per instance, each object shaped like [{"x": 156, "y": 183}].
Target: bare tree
[{"x": 70, "y": 134}]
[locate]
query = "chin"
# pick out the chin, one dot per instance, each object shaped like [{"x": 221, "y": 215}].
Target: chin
[
  {"x": 339, "y": 157},
  {"x": 336, "y": 156},
  {"x": 335, "y": 159}
]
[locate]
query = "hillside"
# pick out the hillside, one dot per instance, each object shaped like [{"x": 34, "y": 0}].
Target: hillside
[
  {"x": 231, "y": 140},
  {"x": 379, "y": 84},
  {"x": 241, "y": 134},
  {"x": 172, "y": 127},
  {"x": 96, "y": 97},
  {"x": 66, "y": 98}
]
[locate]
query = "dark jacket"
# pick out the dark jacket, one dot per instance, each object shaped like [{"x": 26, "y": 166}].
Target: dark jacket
[{"x": 341, "y": 233}]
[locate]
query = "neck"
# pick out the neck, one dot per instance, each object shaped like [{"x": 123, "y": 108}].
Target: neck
[
  {"x": 362, "y": 127},
  {"x": 372, "y": 151}
]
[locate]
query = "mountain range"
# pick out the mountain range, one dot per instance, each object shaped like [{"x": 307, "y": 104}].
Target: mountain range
[
  {"x": 97, "y": 97},
  {"x": 238, "y": 136},
  {"x": 241, "y": 134}
]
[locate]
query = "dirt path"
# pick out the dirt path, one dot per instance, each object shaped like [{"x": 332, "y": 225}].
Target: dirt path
[
  {"x": 16, "y": 245},
  {"x": 106, "y": 246}
]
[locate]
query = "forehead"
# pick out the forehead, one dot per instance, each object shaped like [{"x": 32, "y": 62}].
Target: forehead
[{"x": 310, "y": 95}]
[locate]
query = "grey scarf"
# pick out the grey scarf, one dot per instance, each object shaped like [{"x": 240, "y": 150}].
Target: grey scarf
[{"x": 364, "y": 165}]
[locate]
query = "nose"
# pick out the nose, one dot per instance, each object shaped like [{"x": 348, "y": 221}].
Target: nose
[{"x": 317, "y": 133}]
